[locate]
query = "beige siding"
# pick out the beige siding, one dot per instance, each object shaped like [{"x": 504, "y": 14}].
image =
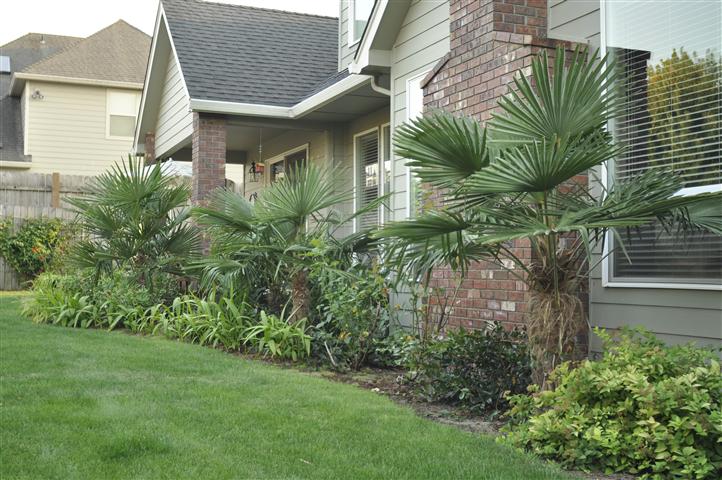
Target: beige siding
[
  {"x": 422, "y": 40},
  {"x": 175, "y": 120},
  {"x": 67, "y": 130},
  {"x": 576, "y": 20}
]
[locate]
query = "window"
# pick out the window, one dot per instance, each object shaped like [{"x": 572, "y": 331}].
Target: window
[
  {"x": 4, "y": 64},
  {"x": 386, "y": 171},
  {"x": 368, "y": 181},
  {"x": 287, "y": 162},
  {"x": 669, "y": 55},
  {"x": 121, "y": 109},
  {"x": 359, "y": 13}
]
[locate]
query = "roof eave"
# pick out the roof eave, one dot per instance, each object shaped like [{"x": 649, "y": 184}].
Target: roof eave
[
  {"x": 17, "y": 84},
  {"x": 302, "y": 108}
]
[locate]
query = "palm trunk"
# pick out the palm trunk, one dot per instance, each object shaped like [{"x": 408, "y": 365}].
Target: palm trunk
[{"x": 300, "y": 296}]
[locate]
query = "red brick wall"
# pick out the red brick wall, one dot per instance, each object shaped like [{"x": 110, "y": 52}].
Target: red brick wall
[
  {"x": 490, "y": 41},
  {"x": 149, "y": 148},
  {"x": 209, "y": 155}
]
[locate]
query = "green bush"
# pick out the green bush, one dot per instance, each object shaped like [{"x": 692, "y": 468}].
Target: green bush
[
  {"x": 277, "y": 337},
  {"x": 473, "y": 368},
  {"x": 644, "y": 408},
  {"x": 38, "y": 245},
  {"x": 353, "y": 312}
]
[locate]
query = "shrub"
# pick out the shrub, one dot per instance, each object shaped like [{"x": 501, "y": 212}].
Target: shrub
[
  {"x": 644, "y": 408},
  {"x": 353, "y": 312},
  {"x": 473, "y": 368},
  {"x": 275, "y": 336},
  {"x": 36, "y": 246}
]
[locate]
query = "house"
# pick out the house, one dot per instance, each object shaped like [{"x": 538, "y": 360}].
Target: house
[
  {"x": 70, "y": 104},
  {"x": 266, "y": 89}
]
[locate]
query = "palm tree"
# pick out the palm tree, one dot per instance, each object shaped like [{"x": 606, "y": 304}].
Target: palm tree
[
  {"x": 269, "y": 242},
  {"x": 513, "y": 180},
  {"x": 135, "y": 216}
]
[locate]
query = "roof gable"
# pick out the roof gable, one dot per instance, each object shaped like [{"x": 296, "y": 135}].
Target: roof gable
[
  {"x": 242, "y": 54},
  {"x": 116, "y": 53}
]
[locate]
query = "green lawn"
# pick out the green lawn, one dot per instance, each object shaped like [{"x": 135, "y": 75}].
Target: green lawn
[{"x": 92, "y": 404}]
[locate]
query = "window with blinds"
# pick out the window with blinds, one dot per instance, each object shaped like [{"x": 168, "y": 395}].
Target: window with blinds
[
  {"x": 367, "y": 164},
  {"x": 386, "y": 159},
  {"x": 669, "y": 56}
]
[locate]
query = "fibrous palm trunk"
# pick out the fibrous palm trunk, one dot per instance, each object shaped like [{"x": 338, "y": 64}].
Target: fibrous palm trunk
[{"x": 300, "y": 295}]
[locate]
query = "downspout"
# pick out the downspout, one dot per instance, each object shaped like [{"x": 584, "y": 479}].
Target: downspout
[{"x": 377, "y": 88}]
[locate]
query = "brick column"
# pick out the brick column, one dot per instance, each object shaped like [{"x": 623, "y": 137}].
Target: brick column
[
  {"x": 490, "y": 41},
  {"x": 209, "y": 155},
  {"x": 149, "y": 148}
]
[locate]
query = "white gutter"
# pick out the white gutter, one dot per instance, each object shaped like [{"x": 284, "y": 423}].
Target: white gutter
[
  {"x": 19, "y": 78},
  {"x": 378, "y": 88},
  {"x": 299, "y": 110}
]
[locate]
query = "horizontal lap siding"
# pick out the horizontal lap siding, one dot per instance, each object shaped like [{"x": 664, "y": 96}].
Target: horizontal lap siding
[
  {"x": 422, "y": 40},
  {"x": 67, "y": 130},
  {"x": 346, "y": 52},
  {"x": 175, "y": 121},
  {"x": 575, "y": 20}
]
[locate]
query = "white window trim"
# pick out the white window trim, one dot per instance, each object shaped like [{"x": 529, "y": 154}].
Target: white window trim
[
  {"x": 108, "y": 136},
  {"x": 356, "y": 190},
  {"x": 607, "y": 279},
  {"x": 269, "y": 162},
  {"x": 382, "y": 171},
  {"x": 409, "y": 81}
]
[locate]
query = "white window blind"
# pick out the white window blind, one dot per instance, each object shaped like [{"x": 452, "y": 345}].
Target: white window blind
[
  {"x": 367, "y": 163},
  {"x": 122, "y": 109},
  {"x": 669, "y": 56}
]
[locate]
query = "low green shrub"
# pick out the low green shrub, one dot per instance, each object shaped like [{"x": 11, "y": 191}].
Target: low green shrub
[
  {"x": 473, "y": 368},
  {"x": 353, "y": 313},
  {"x": 644, "y": 408},
  {"x": 38, "y": 245},
  {"x": 275, "y": 336}
]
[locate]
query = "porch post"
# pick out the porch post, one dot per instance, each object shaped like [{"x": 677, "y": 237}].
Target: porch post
[{"x": 209, "y": 155}]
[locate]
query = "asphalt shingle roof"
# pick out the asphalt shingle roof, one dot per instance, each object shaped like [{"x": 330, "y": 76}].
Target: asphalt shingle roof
[
  {"x": 118, "y": 53},
  {"x": 252, "y": 55}
]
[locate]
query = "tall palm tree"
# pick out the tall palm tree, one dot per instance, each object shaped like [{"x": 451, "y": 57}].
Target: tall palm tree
[
  {"x": 135, "y": 216},
  {"x": 273, "y": 237},
  {"x": 514, "y": 180}
]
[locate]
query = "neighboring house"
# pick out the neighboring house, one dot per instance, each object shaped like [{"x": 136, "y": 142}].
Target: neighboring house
[
  {"x": 266, "y": 89},
  {"x": 71, "y": 103}
]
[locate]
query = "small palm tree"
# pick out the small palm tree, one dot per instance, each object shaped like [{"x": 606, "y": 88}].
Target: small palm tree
[
  {"x": 135, "y": 216},
  {"x": 514, "y": 181},
  {"x": 274, "y": 236}
]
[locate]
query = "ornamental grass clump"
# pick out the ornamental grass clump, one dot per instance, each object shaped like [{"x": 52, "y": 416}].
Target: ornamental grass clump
[{"x": 644, "y": 408}]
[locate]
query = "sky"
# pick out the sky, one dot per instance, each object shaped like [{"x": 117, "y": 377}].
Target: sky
[{"x": 84, "y": 17}]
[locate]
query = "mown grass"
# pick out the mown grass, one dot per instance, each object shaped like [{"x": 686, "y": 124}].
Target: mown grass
[{"x": 93, "y": 404}]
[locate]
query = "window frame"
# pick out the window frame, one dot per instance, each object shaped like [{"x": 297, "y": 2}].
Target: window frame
[
  {"x": 108, "y": 113},
  {"x": 356, "y": 186},
  {"x": 607, "y": 178},
  {"x": 281, "y": 157}
]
